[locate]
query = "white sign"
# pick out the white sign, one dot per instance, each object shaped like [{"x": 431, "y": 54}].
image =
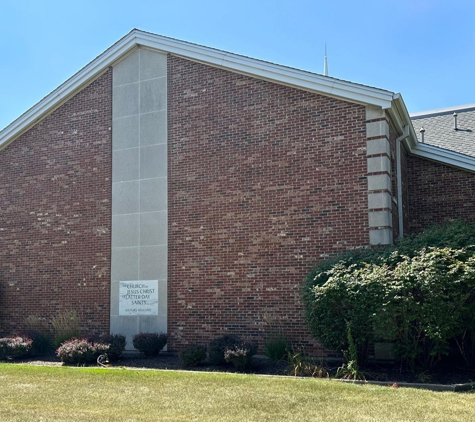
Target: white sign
[{"x": 138, "y": 297}]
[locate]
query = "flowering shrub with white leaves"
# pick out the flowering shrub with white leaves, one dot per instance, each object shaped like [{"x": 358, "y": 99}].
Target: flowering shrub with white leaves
[
  {"x": 15, "y": 347},
  {"x": 240, "y": 355},
  {"x": 80, "y": 351}
]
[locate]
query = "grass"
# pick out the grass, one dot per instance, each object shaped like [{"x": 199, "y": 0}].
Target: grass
[{"x": 29, "y": 393}]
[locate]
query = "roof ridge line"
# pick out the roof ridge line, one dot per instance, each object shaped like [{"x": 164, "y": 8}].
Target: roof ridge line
[{"x": 441, "y": 111}]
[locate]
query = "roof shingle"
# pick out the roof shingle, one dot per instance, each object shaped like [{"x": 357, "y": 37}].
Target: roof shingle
[{"x": 440, "y": 130}]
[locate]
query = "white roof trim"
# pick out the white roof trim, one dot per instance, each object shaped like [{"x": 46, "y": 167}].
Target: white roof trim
[
  {"x": 269, "y": 71},
  {"x": 444, "y": 156},
  {"x": 426, "y": 151}
]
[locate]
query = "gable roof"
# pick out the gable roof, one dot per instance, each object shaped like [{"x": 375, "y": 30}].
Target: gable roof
[
  {"x": 258, "y": 68},
  {"x": 440, "y": 129},
  {"x": 348, "y": 91}
]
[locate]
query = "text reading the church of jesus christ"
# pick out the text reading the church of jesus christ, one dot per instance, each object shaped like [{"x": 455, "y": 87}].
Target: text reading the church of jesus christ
[{"x": 138, "y": 297}]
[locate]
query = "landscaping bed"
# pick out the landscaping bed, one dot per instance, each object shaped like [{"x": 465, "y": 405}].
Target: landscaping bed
[{"x": 261, "y": 365}]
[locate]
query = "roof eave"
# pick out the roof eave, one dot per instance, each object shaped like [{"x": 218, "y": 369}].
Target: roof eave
[
  {"x": 402, "y": 118},
  {"x": 444, "y": 156},
  {"x": 269, "y": 71},
  {"x": 66, "y": 90}
]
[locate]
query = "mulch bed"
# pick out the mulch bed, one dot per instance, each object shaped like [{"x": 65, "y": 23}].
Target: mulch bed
[{"x": 264, "y": 366}]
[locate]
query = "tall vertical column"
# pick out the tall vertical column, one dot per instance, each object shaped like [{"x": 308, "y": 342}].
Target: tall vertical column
[
  {"x": 139, "y": 195},
  {"x": 378, "y": 154}
]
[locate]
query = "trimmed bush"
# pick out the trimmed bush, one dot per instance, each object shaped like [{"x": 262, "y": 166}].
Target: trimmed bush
[
  {"x": 423, "y": 300},
  {"x": 240, "y": 356},
  {"x": 149, "y": 344},
  {"x": 15, "y": 347},
  {"x": 80, "y": 351},
  {"x": 218, "y": 346},
  {"x": 193, "y": 355},
  {"x": 116, "y": 343}
]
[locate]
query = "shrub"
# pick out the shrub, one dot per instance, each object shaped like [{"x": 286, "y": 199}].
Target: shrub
[
  {"x": 240, "y": 355},
  {"x": 116, "y": 343},
  {"x": 37, "y": 330},
  {"x": 80, "y": 351},
  {"x": 423, "y": 300},
  {"x": 218, "y": 346},
  {"x": 276, "y": 347},
  {"x": 276, "y": 343},
  {"x": 66, "y": 326},
  {"x": 193, "y": 355},
  {"x": 454, "y": 234},
  {"x": 42, "y": 343},
  {"x": 351, "y": 369},
  {"x": 15, "y": 347},
  {"x": 302, "y": 365},
  {"x": 149, "y": 344}
]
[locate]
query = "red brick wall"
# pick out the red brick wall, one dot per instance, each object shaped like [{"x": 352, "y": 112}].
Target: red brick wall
[
  {"x": 264, "y": 181},
  {"x": 56, "y": 215},
  {"x": 438, "y": 193}
]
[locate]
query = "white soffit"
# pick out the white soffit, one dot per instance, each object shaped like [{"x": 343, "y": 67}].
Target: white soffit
[{"x": 229, "y": 61}]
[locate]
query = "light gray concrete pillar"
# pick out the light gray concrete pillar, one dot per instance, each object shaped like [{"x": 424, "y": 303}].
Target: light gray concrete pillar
[
  {"x": 378, "y": 154},
  {"x": 139, "y": 194}
]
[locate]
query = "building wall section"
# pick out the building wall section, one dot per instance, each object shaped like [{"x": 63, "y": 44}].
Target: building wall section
[
  {"x": 55, "y": 208},
  {"x": 264, "y": 181},
  {"x": 438, "y": 193}
]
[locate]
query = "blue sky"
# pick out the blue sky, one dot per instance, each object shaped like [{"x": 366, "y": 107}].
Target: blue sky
[{"x": 424, "y": 49}]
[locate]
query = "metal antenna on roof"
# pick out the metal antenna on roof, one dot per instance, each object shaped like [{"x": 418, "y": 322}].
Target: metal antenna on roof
[
  {"x": 455, "y": 121},
  {"x": 422, "y": 131},
  {"x": 325, "y": 62}
]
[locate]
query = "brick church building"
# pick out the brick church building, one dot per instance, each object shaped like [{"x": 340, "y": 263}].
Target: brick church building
[{"x": 177, "y": 188}]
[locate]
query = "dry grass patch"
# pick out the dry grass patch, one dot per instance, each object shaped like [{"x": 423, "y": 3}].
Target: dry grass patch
[{"x": 75, "y": 394}]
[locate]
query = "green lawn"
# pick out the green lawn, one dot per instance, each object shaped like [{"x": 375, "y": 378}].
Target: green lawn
[{"x": 29, "y": 393}]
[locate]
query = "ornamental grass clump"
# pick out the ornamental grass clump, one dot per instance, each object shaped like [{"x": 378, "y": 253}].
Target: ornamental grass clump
[
  {"x": 193, "y": 355},
  {"x": 66, "y": 326},
  {"x": 276, "y": 347},
  {"x": 80, "y": 351},
  {"x": 15, "y": 347},
  {"x": 149, "y": 344},
  {"x": 302, "y": 365},
  {"x": 240, "y": 356}
]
